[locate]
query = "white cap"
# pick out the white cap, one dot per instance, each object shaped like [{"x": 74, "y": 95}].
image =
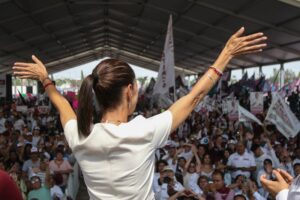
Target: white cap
[
  {"x": 28, "y": 133},
  {"x": 20, "y": 144},
  {"x": 60, "y": 143},
  {"x": 232, "y": 142},
  {"x": 34, "y": 150}
]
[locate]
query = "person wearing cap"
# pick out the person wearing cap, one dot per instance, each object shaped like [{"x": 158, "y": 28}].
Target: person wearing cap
[
  {"x": 171, "y": 156},
  {"x": 28, "y": 137},
  {"x": 61, "y": 166},
  {"x": 42, "y": 171},
  {"x": 168, "y": 181},
  {"x": 33, "y": 162},
  {"x": 19, "y": 123},
  {"x": 36, "y": 136},
  {"x": 187, "y": 152},
  {"x": 38, "y": 191}
]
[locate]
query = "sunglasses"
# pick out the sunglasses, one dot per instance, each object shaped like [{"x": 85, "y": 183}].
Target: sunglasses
[{"x": 35, "y": 180}]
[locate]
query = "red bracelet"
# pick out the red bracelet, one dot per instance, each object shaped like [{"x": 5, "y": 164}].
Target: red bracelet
[
  {"x": 217, "y": 71},
  {"x": 45, "y": 86}
]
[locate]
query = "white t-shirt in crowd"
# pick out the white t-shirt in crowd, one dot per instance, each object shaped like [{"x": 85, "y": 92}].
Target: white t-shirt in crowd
[
  {"x": 56, "y": 192},
  {"x": 237, "y": 160},
  {"x": 117, "y": 161},
  {"x": 18, "y": 125},
  {"x": 2, "y": 125}
]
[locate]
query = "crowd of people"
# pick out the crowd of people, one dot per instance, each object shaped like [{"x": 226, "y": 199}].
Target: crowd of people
[
  {"x": 34, "y": 153},
  {"x": 208, "y": 157},
  {"x": 211, "y": 157}
]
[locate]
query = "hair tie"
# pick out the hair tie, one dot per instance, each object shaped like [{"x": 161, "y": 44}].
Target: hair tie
[{"x": 95, "y": 78}]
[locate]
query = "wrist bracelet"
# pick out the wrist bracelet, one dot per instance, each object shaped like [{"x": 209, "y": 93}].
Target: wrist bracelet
[
  {"x": 216, "y": 70},
  {"x": 45, "y": 80},
  {"x": 45, "y": 86}
]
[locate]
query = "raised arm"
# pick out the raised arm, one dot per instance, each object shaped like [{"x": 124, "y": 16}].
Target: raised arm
[
  {"x": 37, "y": 71},
  {"x": 236, "y": 45}
]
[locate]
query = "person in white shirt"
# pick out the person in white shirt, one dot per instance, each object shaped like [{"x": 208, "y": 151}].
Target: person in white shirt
[
  {"x": 260, "y": 157},
  {"x": 19, "y": 123},
  {"x": 168, "y": 180},
  {"x": 241, "y": 162},
  {"x": 2, "y": 122},
  {"x": 117, "y": 156}
]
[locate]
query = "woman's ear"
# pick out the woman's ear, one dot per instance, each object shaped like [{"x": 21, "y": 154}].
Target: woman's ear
[{"x": 129, "y": 91}]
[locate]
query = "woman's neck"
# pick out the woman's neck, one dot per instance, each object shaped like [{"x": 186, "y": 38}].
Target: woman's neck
[{"x": 118, "y": 115}]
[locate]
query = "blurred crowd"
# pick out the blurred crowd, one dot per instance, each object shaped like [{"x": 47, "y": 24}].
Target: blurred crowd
[{"x": 208, "y": 157}]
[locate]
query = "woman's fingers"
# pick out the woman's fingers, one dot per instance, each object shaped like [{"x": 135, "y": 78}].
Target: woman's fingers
[
  {"x": 27, "y": 77},
  {"x": 251, "y": 37},
  {"x": 19, "y": 73},
  {"x": 267, "y": 183},
  {"x": 36, "y": 60},
  {"x": 285, "y": 175},
  {"x": 252, "y": 48},
  {"x": 257, "y": 40},
  {"x": 250, "y": 52},
  {"x": 278, "y": 176},
  {"x": 239, "y": 32},
  {"x": 21, "y": 64}
]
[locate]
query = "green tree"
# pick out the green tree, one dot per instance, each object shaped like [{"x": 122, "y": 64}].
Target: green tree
[{"x": 289, "y": 75}]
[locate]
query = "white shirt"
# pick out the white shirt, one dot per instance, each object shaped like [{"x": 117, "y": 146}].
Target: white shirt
[
  {"x": 118, "y": 161},
  {"x": 260, "y": 162},
  {"x": 2, "y": 125},
  {"x": 55, "y": 191},
  {"x": 18, "y": 125},
  {"x": 187, "y": 155},
  {"x": 292, "y": 193},
  {"x": 237, "y": 160}
]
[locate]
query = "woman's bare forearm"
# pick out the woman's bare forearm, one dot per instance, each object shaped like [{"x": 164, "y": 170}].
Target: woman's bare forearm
[
  {"x": 61, "y": 104},
  {"x": 185, "y": 105}
]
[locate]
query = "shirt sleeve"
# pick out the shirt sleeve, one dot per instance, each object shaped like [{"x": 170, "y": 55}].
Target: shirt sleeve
[
  {"x": 257, "y": 196},
  {"x": 229, "y": 162},
  {"x": 162, "y": 124},
  {"x": 282, "y": 195},
  {"x": 71, "y": 132}
]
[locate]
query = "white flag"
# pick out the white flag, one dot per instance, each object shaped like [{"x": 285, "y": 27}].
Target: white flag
[
  {"x": 282, "y": 117},
  {"x": 166, "y": 73},
  {"x": 246, "y": 116}
]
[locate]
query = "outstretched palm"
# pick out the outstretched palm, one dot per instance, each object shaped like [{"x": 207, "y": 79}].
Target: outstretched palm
[{"x": 36, "y": 70}]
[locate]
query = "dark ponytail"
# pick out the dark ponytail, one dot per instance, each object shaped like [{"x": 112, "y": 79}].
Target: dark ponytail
[
  {"x": 85, "y": 107},
  {"x": 102, "y": 90}
]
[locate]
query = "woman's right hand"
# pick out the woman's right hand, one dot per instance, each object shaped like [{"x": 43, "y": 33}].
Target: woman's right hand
[{"x": 36, "y": 70}]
